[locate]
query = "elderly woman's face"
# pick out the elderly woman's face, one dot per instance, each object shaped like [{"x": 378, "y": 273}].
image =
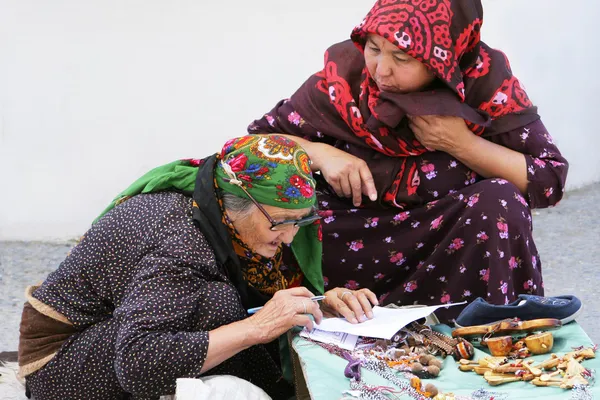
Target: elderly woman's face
[
  {"x": 255, "y": 228},
  {"x": 392, "y": 69}
]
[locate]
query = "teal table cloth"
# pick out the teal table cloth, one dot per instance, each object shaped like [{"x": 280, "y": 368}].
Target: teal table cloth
[{"x": 324, "y": 372}]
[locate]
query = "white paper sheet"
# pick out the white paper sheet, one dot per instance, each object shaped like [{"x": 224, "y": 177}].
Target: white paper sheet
[
  {"x": 340, "y": 339},
  {"x": 385, "y": 323}
]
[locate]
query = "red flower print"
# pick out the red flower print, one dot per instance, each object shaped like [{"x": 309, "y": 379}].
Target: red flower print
[
  {"x": 430, "y": 205},
  {"x": 427, "y": 168},
  {"x": 195, "y": 162},
  {"x": 473, "y": 200},
  {"x": 397, "y": 258},
  {"x": 320, "y": 233},
  {"x": 482, "y": 237},
  {"x": 485, "y": 275},
  {"x": 262, "y": 171},
  {"x": 295, "y": 118},
  {"x": 514, "y": 263},
  {"x": 503, "y": 228},
  {"x": 325, "y": 213},
  {"x": 437, "y": 223},
  {"x": 410, "y": 286},
  {"x": 379, "y": 276},
  {"x": 355, "y": 245},
  {"x": 226, "y": 146},
  {"x": 245, "y": 177},
  {"x": 325, "y": 281},
  {"x": 403, "y": 216},
  {"x": 296, "y": 181},
  {"x": 352, "y": 285},
  {"x": 307, "y": 191},
  {"x": 229, "y": 142},
  {"x": 520, "y": 199},
  {"x": 238, "y": 163},
  {"x": 445, "y": 298},
  {"x": 456, "y": 244}
]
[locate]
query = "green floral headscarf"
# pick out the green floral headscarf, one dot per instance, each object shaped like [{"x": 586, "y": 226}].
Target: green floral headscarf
[{"x": 273, "y": 169}]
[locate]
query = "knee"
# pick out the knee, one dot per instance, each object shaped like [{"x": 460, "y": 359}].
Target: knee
[{"x": 501, "y": 202}]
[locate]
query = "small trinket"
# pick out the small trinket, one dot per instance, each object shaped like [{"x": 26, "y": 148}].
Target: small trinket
[
  {"x": 425, "y": 371},
  {"x": 495, "y": 378},
  {"x": 463, "y": 349},
  {"x": 580, "y": 392},
  {"x": 437, "y": 342},
  {"x": 482, "y": 394},
  {"x": 499, "y": 346},
  {"x": 570, "y": 373},
  {"x": 431, "y": 389},
  {"x": 427, "y": 391},
  {"x": 540, "y": 343}
]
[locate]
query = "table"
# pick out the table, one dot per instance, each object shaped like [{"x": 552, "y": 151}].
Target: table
[{"x": 324, "y": 372}]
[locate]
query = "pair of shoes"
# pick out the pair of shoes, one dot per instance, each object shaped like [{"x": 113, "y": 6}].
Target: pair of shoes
[{"x": 526, "y": 307}]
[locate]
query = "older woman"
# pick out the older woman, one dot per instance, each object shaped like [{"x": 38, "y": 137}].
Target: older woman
[
  {"x": 159, "y": 287},
  {"x": 423, "y": 118}
]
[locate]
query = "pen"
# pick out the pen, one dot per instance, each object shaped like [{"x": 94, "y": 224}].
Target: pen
[{"x": 314, "y": 298}]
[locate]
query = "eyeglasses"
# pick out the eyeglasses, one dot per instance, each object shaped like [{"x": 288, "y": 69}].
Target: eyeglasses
[{"x": 282, "y": 225}]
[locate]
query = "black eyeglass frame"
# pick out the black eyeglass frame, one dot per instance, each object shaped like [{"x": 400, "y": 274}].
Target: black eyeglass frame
[{"x": 274, "y": 224}]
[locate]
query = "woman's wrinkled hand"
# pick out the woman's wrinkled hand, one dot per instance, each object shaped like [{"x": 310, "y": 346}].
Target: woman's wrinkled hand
[
  {"x": 348, "y": 175},
  {"x": 286, "y": 309},
  {"x": 443, "y": 133},
  {"x": 354, "y": 305}
]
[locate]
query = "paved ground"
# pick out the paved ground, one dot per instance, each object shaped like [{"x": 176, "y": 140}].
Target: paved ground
[{"x": 567, "y": 237}]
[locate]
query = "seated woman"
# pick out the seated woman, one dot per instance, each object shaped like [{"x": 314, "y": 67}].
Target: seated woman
[
  {"x": 158, "y": 288},
  {"x": 423, "y": 118}
]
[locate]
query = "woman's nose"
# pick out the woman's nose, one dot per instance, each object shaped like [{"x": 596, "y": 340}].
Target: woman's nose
[
  {"x": 287, "y": 235},
  {"x": 383, "y": 67}
]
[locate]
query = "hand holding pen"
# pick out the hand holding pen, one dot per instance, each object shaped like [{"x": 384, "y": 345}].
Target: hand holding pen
[
  {"x": 314, "y": 298},
  {"x": 286, "y": 309}
]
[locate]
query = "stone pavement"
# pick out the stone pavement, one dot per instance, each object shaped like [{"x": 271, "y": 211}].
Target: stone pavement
[{"x": 567, "y": 238}]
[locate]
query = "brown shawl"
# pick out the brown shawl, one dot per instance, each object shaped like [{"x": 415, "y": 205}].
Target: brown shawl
[{"x": 43, "y": 331}]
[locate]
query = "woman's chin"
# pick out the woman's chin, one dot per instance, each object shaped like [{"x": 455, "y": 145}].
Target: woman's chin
[{"x": 268, "y": 250}]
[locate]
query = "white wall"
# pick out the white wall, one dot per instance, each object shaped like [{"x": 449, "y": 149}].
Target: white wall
[{"x": 94, "y": 93}]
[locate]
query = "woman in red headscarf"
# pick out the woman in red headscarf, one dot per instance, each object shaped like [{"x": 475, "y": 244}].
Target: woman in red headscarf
[{"x": 431, "y": 156}]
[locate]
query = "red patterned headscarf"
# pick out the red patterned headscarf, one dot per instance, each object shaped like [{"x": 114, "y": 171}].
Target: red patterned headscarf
[
  {"x": 478, "y": 84},
  {"x": 445, "y": 36}
]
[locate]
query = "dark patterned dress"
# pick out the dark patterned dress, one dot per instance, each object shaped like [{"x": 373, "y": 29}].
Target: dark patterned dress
[
  {"x": 471, "y": 237},
  {"x": 143, "y": 289}
]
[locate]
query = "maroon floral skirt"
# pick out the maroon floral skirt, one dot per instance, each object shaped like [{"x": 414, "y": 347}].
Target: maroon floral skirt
[{"x": 472, "y": 242}]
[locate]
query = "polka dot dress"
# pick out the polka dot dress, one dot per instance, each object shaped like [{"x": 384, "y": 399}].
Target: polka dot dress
[{"x": 144, "y": 289}]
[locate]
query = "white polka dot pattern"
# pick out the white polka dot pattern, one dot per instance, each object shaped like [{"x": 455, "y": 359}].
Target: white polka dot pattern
[{"x": 144, "y": 288}]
